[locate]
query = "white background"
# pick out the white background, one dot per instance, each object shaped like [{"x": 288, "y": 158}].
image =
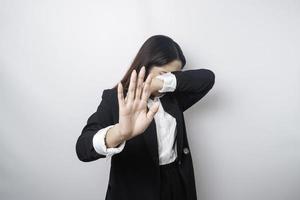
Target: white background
[{"x": 57, "y": 57}]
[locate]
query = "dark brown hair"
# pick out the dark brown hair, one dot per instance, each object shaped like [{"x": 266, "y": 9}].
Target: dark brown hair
[{"x": 157, "y": 50}]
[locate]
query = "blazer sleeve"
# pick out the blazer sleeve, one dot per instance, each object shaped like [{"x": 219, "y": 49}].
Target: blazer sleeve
[
  {"x": 100, "y": 119},
  {"x": 192, "y": 85},
  {"x": 99, "y": 143}
]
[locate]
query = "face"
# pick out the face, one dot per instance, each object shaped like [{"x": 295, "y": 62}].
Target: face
[{"x": 172, "y": 66}]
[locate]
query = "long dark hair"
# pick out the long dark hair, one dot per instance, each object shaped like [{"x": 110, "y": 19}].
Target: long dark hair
[{"x": 157, "y": 50}]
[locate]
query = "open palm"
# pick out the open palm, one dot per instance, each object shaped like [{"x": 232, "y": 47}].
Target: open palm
[{"x": 133, "y": 116}]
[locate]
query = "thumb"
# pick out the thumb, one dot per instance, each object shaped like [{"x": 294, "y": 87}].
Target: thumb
[{"x": 153, "y": 109}]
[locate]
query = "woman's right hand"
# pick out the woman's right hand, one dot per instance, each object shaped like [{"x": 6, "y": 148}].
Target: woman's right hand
[{"x": 133, "y": 115}]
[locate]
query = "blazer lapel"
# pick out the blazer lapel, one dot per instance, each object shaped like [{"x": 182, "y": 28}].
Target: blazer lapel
[
  {"x": 170, "y": 106},
  {"x": 150, "y": 138}
]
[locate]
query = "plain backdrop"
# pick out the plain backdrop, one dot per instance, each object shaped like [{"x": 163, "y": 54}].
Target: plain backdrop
[{"x": 57, "y": 56}]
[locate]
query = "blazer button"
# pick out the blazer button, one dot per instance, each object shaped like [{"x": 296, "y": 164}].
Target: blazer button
[
  {"x": 179, "y": 162},
  {"x": 186, "y": 150}
]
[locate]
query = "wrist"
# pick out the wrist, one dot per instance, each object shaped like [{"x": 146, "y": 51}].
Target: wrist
[
  {"x": 113, "y": 137},
  {"x": 121, "y": 137},
  {"x": 157, "y": 84}
]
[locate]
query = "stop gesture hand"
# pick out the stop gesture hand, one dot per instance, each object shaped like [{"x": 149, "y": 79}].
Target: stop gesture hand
[{"x": 133, "y": 115}]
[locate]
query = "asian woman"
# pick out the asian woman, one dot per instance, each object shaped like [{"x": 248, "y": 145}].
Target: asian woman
[{"x": 140, "y": 125}]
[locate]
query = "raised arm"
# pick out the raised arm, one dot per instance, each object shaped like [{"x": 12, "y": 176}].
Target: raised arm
[
  {"x": 100, "y": 119},
  {"x": 134, "y": 118},
  {"x": 192, "y": 85}
]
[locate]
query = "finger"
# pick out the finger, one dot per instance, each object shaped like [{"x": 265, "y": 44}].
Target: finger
[
  {"x": 140, "y": 83},
  {"x": 131, "y": 89},
  {"x": 120, "y": 94},
  {"x": 152, "y": 110},
  {"x": 146, "y": 89},
  {"x": 126, "y": 98}
]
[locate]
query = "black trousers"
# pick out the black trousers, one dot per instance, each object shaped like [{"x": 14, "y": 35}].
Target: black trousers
[{"x": 172, "y": 187}]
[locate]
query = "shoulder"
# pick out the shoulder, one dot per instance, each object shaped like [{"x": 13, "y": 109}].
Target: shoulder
[{"x": 109, "y": 94}]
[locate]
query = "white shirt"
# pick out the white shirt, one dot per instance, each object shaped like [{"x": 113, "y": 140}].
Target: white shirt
[{"x": 165, "y": 127}]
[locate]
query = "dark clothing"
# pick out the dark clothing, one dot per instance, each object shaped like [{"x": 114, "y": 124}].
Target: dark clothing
[
  {"x": 172, "y": 186},
  {"x": 135, "y": 173}
]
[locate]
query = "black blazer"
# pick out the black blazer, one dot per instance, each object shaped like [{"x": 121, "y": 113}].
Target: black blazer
[{"x": 134, "y": 172}]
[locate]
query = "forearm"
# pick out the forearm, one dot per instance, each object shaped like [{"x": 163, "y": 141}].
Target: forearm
[
  {"x": 192, "y": 85},
  {"x": 113, "y": 136},
  {"x": 195, "y": 80}
]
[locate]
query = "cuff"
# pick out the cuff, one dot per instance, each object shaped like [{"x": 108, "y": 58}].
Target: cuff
[
  {"x": 99, "y": 144},
  {"x": 169, "y": 80}
]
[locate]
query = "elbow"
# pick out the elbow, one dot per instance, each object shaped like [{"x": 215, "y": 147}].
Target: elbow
[
  {"x": 80, "y": 152},
  {"x": 210, "y": 78},
  {"x": 85, "y": 151}
]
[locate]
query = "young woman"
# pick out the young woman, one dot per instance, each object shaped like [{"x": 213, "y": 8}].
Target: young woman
[{"x": 139, "y": 124}]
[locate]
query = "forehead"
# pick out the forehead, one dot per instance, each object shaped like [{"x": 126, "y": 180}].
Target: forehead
[{"x": 174, "y": 65}]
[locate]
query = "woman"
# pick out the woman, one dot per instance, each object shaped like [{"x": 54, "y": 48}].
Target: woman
[{"x": 144, "y": 133}]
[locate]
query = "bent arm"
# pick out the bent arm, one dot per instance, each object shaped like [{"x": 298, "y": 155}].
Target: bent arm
[
  {"x": 100, "y": 119},
  {"x": 192, "y": 85}
]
